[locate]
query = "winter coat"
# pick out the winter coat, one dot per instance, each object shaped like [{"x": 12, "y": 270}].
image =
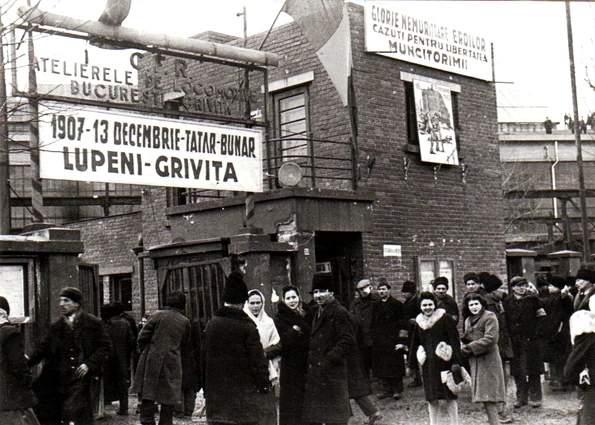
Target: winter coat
[
  {"x": 431, "y": 336},
  {"x": 15, "y": 377},
  {"x": 117, "y": 369},
  {"x": 487, "y": 376},
  {"x": 191, "y": 373},
  {"x": 495, "y": 305},
  {"x": 327, "y": 393},
  {"x": 236, "y": 368},
  {"x": 357, "y": 381},
  {"x": 556, "y": 332},
  {"x": 294, "y": 362},
  {"x": 159, "y": 372},
  {"x": 387, "y": 323},
  {"x": 449, "y": 305},
  {"x": 61, "y": 395},
  {"x": 362, "y": 311},
  {"x": 525, "y": 318}
]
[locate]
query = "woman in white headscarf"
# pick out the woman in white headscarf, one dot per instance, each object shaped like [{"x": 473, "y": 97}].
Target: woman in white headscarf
[{"x": 269, "y": 338}]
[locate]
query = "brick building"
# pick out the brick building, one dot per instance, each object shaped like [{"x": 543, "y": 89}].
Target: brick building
[{"x": 364, "y": 203}]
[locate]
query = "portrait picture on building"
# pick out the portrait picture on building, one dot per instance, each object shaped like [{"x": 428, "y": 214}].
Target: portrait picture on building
[{"x": 433, "y": 106}]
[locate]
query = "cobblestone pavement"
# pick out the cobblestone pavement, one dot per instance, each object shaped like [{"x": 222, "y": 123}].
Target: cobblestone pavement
[{"x": 558, "y": 408}]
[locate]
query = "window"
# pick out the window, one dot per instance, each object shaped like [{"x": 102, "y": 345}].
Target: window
[
  {"x": 120, "y": 290},
  {"x": 429, "y": 268},
  {"x": 292, "y": 123}
]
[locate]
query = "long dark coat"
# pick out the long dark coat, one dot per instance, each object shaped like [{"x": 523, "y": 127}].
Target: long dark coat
[
  {"x": 556, "y": 330},
  {"x": 428, "y": 333},
  {"x": 159, "y": 373},
  {"x": 487, "y": 376},
  {"x": 294, "y": 362},
  {"x": 236, "y": 368},
  {"x": 117, "y": 371},
  {"x": 327, "y": 393},
  {"x": 61, "y": 395},
  {"x": 495, "y": 305},
  {"x": 15, "y": 377},
  {"x": 362, "y": 312},
  {"x": 449, "y": 304},
  {"x": 524, "y": 320},
  {"x": 358, "y": 384},
  {"x": 388, "y": 320}
]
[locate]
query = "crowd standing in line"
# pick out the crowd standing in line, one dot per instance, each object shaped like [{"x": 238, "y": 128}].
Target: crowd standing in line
[{"x": 304, "y": 366}]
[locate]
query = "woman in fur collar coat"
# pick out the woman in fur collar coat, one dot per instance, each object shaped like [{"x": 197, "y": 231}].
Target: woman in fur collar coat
[{"x": 435, "y": 346}]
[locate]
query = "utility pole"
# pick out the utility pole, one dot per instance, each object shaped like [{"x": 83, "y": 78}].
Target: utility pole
[
  {"x": 577, "y": 139},
  {"x": 4, "y": 160}
]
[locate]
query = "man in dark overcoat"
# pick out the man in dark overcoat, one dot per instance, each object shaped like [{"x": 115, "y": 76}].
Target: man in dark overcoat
[
  {"x": 236, "y": 370},
  {"x": 388, "y": 334},
  {"x": 333, "y": 338},
  {"x": 361, "y": 309},
  {"x": 158, "y": 377},
  {"x": 411, "y": 309},
  {"x": 116, "y": 377},
  {"x": 525, "y": 317},
  {"x": 75, "y": 350}
]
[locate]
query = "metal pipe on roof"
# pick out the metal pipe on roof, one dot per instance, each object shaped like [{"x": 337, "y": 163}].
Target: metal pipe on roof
[{"x": 122, "y": 35}]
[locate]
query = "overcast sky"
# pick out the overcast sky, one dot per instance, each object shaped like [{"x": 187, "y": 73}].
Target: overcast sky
[{"x": 531, "y": 47}]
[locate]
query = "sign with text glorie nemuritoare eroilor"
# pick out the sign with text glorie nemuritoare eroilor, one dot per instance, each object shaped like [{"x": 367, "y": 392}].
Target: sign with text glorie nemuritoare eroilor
[
  {"x": 412, "y": 38},
  {"x": 90, "y": 144}
]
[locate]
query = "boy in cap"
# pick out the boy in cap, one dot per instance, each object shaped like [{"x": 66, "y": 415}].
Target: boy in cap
[
  {"x": 524, "y": 316},
  {"x": 74, "y": 351}
]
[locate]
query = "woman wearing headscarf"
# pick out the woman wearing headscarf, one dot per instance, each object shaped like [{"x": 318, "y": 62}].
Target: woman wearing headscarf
[
  {"x": 481, "y": 346},
  {"x": 269, "y": 338},
  {"x": 435, "y": 346},
  {"x": 294, "y": 324},
  {"x": 16, "y": 396}
]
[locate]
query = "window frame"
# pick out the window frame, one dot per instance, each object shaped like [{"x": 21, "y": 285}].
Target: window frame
[{"x": 277, "y": 97}]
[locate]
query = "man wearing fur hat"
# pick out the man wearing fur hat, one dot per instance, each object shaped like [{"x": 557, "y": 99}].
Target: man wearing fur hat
[
  {"x": 237, "y": 370},
  {"x": 74, "y": 351},
  {"x": 524, "y": 317},
  {"x": 161, "y": 343},
  {"x": 584, "y": 283},
  {"x": 445, "y": 301},
  {"x": 331, "y": 342}
]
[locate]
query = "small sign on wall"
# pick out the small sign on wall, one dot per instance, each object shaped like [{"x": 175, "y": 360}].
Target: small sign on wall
[{"x": 392, "y": 250}]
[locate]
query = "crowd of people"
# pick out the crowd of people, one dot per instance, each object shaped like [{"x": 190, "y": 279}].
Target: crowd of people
[{"x": 304, "y": 364}]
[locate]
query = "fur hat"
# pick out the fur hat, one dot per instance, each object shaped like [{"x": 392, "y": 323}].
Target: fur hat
[
  {"x": 409, "y": 286},
  {"x": 235, "y": 291},
  {"x": 518, "y": 280},
  {"x": 322, "y": 281},
  {"x": 483, "y": 276},
  {"x": 383, "y": 282},
  {"x": 176, "y": 300},
  {"x": 471, "y": 276},
  {"x": 492, "y": 283},
  {"x": 4, "y": 305},
  {"x": 558, "y": 281},
  {"x": 73, "y": 294},
  {"x": 585, "y": 274},
  {"x": 440, "y": 281}
]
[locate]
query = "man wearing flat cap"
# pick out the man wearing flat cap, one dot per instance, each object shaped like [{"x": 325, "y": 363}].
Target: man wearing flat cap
[
  {"x": 74, "y": 351},
  {"x": 331, "y": 342},
  {"x": 361, "y": 308}
]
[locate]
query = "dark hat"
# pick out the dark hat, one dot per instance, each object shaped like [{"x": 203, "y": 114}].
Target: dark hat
[
  {"x": 491, "y": 283},
  {"x": 570, "y": 281},
  {"x": 482, "y": 276},
  {"x": 558, "y": 281},
  {"x": 383, "y": 282},
  {"x": 409, "y": 286},
  {"x": 518, "y": 280},
  {"x": 72, "y": 293},
  {"x": 471, "y": 276},
  {"x": 322, "y": 281},
  {"x": 176, "y": 299},
  {"x": 236, "y": 291},
  {"x": 541, "y": 282},
  {"x": 4, "y": 305},
  {"x": 440, "y": 281},
  {"x": 585, "y": 274}
]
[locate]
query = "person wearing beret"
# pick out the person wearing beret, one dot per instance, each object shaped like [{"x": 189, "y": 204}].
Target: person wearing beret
[
  {"x": 331, "y": 343},
  {"x": 75, "y": 350},
  {"x": 236, "y": 368},
  {"x": 525, "y": 318},
  {"x": 16, "y": 395},
  {"x": 556, "y": 332}
]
